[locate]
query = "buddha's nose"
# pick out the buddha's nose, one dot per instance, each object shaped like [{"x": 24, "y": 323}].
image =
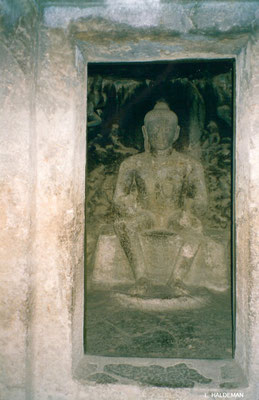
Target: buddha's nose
[{"x": 162, "y": 134}]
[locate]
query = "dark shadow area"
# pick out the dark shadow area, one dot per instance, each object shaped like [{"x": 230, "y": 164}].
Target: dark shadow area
[{"x": 117, "y": 322}]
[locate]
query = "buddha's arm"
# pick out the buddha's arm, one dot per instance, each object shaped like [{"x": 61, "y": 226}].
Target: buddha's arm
[
  {"x": 124, "y": 200},
  {"x": 198, "y": 191}
]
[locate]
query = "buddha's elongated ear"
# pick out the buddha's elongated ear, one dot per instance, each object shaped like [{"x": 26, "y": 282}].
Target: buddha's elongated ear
[
  {"x": 146, "y": 141},
  {"x": 177, "y": 133}
]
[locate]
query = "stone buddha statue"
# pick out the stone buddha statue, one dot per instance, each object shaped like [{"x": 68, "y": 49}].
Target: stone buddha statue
[{"x": 160, "y": 198}]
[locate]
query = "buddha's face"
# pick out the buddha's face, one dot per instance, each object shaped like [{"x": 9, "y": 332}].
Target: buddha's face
[{"x": 161, "y": 136}]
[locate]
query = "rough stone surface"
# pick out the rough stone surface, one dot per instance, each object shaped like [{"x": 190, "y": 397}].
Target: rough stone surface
[
  {"x": 43, "y": 197},
  {"x": 177, "y": 17},
  {"x": 102, "y": 378},
  {"x": 229, "y": 385},
  {"x": 177, "y": 376}
]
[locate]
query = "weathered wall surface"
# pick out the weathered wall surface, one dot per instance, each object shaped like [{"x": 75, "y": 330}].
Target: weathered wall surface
[
  {"x": 253, "y": 270},
  {"x": 59, "y": 213},
  {"x": 43, "y": 163},
  {"x": 17, "y": 44},
  {"x": 178, "y": 17},
  {"x": 246, "y": 197},
  {"x": 242, "y": 193}
]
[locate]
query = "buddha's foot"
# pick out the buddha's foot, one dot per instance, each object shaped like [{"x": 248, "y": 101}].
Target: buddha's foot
[
  {"x": 145, "y": 289},
  {"x": 141, "y": 288},
  {"x": 179, "y": 290}
]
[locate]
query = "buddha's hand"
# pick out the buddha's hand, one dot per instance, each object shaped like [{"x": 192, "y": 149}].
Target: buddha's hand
[
  {"x": 139, "y": 212},
  {"x": 184, "y": 220},
  {"x": 144, "y": 219}
]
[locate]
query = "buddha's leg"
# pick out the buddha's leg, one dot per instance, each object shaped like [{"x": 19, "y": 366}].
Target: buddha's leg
[
  {"x": 187, "y": 252},
  {"x": 128, "y": 231}
]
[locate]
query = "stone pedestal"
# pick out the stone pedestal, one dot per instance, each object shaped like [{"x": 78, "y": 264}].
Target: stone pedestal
[{"x": 208, "y": 268}]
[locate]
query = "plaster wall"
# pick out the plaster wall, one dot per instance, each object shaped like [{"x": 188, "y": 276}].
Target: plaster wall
[{"x": 43, "y": 154}]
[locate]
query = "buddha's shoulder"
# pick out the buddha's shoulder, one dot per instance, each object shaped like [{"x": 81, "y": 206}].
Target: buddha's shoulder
[
  {"x": 135, "y": 160},
  {"x": 186, "y": 159}
]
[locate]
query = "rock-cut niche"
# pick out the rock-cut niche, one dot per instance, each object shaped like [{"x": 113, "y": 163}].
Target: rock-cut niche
[{"x": 158, "y": 209}]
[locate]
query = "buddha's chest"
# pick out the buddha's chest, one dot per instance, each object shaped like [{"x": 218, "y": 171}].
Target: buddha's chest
[{"x": 161, "y": 180}]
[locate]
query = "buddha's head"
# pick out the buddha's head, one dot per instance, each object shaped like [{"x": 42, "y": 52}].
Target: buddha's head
[{"x": 160, "y": 128}]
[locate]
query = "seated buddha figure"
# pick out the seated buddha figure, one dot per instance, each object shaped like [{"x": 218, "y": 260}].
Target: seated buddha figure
[{"x": 161, "y": 193}]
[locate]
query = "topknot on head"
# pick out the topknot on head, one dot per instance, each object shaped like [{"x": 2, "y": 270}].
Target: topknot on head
[
  {"x": 161, "y": 111},
  {"x": 161, "y": 105}
]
